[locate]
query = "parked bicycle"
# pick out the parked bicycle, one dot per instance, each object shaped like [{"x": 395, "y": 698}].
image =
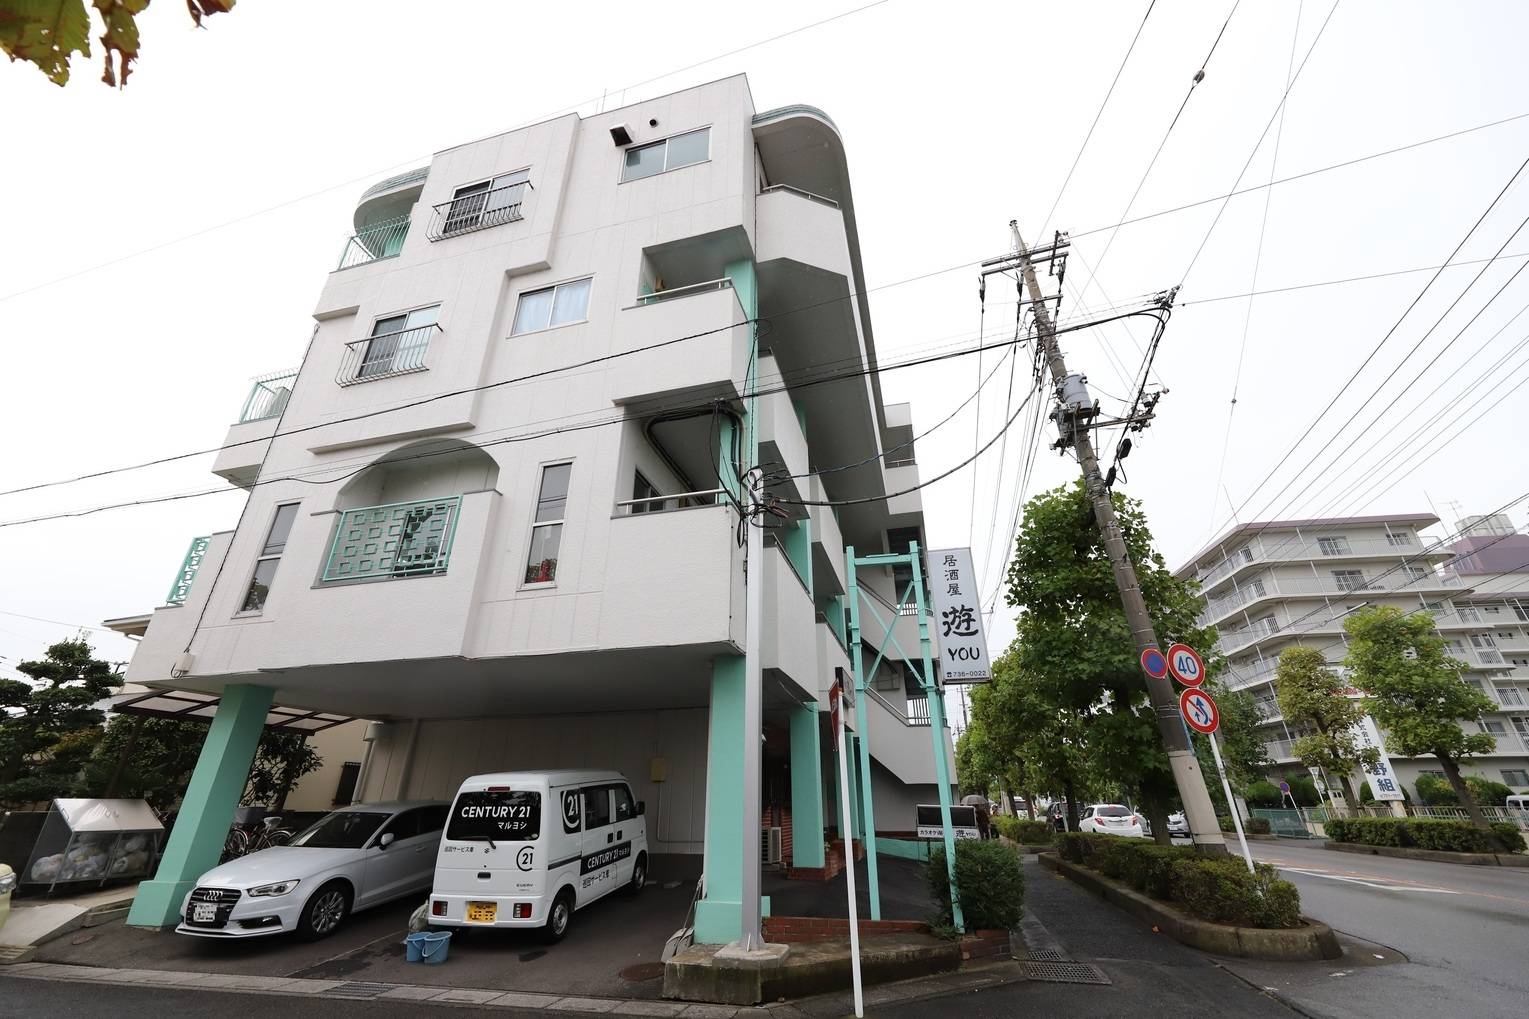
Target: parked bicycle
[{"x": 245, "y": 839}]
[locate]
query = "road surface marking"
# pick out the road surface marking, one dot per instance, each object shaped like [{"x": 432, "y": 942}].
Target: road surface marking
[{"x": 1397, "y": 887}]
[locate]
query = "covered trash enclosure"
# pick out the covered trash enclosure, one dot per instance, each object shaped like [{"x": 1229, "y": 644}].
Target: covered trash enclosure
[{"x": 94, "y": 841}]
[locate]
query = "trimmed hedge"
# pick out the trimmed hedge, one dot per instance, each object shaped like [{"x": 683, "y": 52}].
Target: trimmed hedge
[
  {"x": 1024, "y": 831},
  {"x": 1251, "y": 825},
  {"x": 990, "y": 879},
  {"x": 1427, "y": 833},
  {"x": 1217, "y": 889}
]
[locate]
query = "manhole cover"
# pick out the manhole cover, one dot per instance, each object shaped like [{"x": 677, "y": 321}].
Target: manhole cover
[
  {"x": 642, "y": 971},
  {"x": 1063, "y": 972},
  {"x": 358, "y": 989}
]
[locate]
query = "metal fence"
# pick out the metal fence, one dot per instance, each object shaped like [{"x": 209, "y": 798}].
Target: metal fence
[
  {"x": 268, "y": 396},
  {"x": 380, "y": 240},
  {"x": 386, "y": 355},
  {"x": 477, "y": 210},
  {"x": 1310, "y": 822}
]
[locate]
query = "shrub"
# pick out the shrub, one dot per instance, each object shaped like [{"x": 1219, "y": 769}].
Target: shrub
[
  {"x": 1257, "y": 826},
  {"x": 1434, "y": 791},
  {"x": 1024, "y": 831},
  {"x": 1262, "y": 794},
  {"x": 1427, "y": 833},
  {"x": 1223, "y": 891},
  {"x": 1304, "y": 791},
  {"x": 1487, "y": 792},
  {"x": 991, "y": 884}
]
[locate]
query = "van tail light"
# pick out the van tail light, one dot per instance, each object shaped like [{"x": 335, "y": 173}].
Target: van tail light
[
  {"x": 437, "y": 908},
  {"x": 522, "y": 911}
]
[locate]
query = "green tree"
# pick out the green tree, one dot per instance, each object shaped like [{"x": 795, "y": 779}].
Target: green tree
[
  {"x": 1311, "y": 695},
  {"x": 50, "y": 722},
  {"x": 1416, "y": 693},
  {"x": 1076, "y": 648},
  {"x": 48, "y": 33},
  {"x": 280, "y": 760}
]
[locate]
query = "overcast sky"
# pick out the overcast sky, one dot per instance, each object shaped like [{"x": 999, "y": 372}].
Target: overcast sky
[{"x": 255, "y": 138}]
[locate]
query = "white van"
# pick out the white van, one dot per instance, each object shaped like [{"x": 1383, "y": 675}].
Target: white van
[{"x": 527, "y": 848}]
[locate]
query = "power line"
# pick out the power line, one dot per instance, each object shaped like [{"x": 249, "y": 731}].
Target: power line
[
  {"x": 1462, "y": 263},
  {"x": 55, "y": 622}
]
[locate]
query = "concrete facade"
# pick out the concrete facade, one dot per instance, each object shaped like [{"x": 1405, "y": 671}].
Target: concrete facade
[
  {"x": 499, "y": 519},
  {"x": 1273, "y": 585}
]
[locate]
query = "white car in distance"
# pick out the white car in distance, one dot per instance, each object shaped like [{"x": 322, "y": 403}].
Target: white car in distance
[
  {"x": 354, "y": 858},
  {"x": 1110, "y": 819}
]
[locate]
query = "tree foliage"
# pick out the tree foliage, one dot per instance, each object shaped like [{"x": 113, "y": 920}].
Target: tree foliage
[
  {"x": 1416, "y": 693},
  {"x": 50, "y": 722},
  {"x": 1312, "y": 696},
  {"x": 48, "y": 33}
]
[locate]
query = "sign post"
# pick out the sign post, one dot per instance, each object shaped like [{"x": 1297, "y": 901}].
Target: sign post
[
  {"x": 1201, "y": 714},
  {"x": 838, "y": 692}
]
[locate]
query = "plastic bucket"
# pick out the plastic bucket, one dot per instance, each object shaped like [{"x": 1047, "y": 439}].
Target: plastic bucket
[{"x": 428, "y": 947}]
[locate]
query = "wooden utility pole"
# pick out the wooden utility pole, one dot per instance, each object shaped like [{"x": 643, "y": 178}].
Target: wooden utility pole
[{"x": 1072, "y": 416}]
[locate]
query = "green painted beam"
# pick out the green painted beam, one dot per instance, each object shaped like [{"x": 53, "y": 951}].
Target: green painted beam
[
  {"x": 806, "y": 788},
  {"x": 207, "y": 809}
]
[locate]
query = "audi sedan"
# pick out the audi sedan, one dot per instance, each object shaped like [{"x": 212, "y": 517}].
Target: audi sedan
[
  {"x": 1110, "y": 819},
  {"x": 349, "y": 860}
]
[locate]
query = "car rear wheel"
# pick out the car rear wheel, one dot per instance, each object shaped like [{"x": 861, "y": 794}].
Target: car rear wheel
[
  {"x": 559, "y": 918},
  {"x": 325, "y": 910}
]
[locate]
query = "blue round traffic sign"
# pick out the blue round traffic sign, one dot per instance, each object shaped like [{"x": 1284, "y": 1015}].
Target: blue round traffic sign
[{"x": 1153, "y": 663}]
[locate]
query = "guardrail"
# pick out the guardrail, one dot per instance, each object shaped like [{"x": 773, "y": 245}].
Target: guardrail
[
  {"x": 380, "y": 240},
  {"x": 268, "y": 396},
  {"x": 660, "y": 503},
  {"x": 477, "y": 211},
  {"x": 799, "y": 191},
  {"x": 659, "y": 296},
  {"x": 386, "y": 355}
]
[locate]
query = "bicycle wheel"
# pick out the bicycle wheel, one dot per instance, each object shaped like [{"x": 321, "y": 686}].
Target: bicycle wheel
[
  {"x": 235, "y": 845},
  {"x": 279, "y": 837}
]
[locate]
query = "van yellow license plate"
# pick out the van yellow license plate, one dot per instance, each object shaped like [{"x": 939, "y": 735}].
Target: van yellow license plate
[{"x": 482, "y": 912}]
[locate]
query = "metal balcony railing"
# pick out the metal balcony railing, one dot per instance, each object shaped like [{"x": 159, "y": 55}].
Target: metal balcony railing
[
  {"x": 659, "y": 296},
  {"x": 382, "y": 357},
  {"x": 1274, "y": 550},
  {"x": 666, "y": 503},
  {"x": 1280, "y": 749},
  {"x": 802, "y": 192},
  {"x": 918, "y": 711},
  {"x": 383, "y": 239},
  {"x": 401, "y": 539},
  {"x": 268, "y": 396},
  {"x": 477, "y": 211}
]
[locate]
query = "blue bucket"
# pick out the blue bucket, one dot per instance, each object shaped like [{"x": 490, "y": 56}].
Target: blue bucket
[{"x": 428, "y": 947}]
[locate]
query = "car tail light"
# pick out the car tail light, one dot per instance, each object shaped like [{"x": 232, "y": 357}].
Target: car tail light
[
  {"x": 522, "y": 911},
  {"x": 437, "y": 908},
  {"x": 1135, "y": 819}
]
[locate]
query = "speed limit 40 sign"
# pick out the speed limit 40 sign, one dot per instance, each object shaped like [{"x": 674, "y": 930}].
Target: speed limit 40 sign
[{"x": 1186, "y": 665}]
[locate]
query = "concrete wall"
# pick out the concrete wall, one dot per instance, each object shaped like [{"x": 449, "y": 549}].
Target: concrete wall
[{"x": 315, "y": 791}]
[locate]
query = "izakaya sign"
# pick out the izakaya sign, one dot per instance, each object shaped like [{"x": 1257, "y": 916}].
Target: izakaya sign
[
  {"x": 958, "y": 617},
  {"x": 1381, "y": 778}
]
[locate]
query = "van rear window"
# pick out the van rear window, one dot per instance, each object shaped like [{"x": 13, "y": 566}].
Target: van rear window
[{"x": 514, "y": 816}]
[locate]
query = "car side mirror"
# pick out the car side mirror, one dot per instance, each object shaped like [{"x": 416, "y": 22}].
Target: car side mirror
[
  {"x": 385, "y": 840},
  {"x": 642, "y": 808}
]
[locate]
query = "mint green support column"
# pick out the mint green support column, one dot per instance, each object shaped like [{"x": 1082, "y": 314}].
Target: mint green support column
[
  {"x": 208, "y": 807},
  {"x": 717, "y": 919},
  {"x": 862, "y": 792},
  {"x": 806, "y": 788}
]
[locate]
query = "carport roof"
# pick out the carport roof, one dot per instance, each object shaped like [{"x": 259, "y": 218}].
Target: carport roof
[{"x": 187, "y": 704}]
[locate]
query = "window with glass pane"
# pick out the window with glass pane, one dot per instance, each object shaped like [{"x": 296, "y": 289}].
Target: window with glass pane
[
  {"x": 642, "y": 488},
  {"x": 547, "y": 526},
  {"x": 553, "y": 306},
  {"x": 670, "y": 154},
  {"x": 1349, "y": 580},
  {"x": 486, "y": 203},
  {"x": 1398, "y": 538},
  {"x": 399, "y": 342},
  {"x": 688, "y": 149},
  {"x": 644, "y": 161},
  {"x": 1333, "y": 546},
  {"x": 270, "y": 556}
]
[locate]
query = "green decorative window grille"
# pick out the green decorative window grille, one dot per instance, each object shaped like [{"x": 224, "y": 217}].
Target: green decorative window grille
[
  {"x": 193, "y": 562},
  {"x": 402, "y": 539}
]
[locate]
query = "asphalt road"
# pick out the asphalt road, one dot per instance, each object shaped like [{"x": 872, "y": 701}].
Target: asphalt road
[{"x": 1464, "y": 932}]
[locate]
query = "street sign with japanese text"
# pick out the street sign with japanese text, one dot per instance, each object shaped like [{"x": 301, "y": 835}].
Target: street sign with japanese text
[
  {"x": 1199, "y": 710},
  {"x": 1383, "y": 784},
  {"x": 957, "y": 618},
  {"x": 1186, "y": 665}
]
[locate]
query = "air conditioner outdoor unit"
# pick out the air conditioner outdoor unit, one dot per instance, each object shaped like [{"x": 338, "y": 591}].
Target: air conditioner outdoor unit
[{"x": 769, "y": 845}]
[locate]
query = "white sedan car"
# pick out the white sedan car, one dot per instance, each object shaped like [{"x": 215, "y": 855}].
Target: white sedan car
[
  {"x": 352, "y": 859},
  {"x": 1110, "y": 819}
]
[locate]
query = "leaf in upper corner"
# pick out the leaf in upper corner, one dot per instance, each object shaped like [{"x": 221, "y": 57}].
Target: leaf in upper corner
[
  {"x": 46, "y": 33},
  {"x": 207, "y": 8},
  {"x": 121, "y": 36}
]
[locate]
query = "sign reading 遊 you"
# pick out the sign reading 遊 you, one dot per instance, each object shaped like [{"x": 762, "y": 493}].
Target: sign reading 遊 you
[{"x": 957, "y": 618}]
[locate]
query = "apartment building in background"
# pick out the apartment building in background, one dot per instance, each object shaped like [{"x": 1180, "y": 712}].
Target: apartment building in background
[
  {"x": 494, "y": 509},
  {"x": 1278, "y": 584}
]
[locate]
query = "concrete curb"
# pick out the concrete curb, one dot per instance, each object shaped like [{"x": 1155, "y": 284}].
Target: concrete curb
[
  {"x": 1432, "y": 855},
  {"x": 1314, "y": 941}
]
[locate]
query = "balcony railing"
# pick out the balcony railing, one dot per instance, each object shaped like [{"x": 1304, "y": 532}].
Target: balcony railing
[
  {"x": 918, "y": 711},
  {"x": 1280, "y": 749},
  {"x": 401, "y": 539},
  {"x": 477, "y": 211},
  {"x": 665, "y": 503},
  {"x": 1277, "y": 551},
  {"x": 380, "y": 240},
  {"x": 1269, "y": 587},
  {"x": 801, "y": 192},
  {"x": 268, "y": 396},
  {"x": 688, "y": 290},
  {"x": 382, "y": 357}
]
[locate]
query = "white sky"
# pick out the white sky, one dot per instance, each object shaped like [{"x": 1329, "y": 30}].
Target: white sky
[{"x": 956, "y": 117}]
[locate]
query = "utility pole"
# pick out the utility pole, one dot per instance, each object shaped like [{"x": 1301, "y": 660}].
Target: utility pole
[{"x": 1071, "y": 416}]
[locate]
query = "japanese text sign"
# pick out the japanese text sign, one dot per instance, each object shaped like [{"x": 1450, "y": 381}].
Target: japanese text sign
[
  {"x": 957, "y": 618},
  {"x": 1383, "y": 784}
]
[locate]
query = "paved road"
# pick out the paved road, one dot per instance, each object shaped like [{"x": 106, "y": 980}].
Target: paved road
[{"x": 1464, "y": 932}]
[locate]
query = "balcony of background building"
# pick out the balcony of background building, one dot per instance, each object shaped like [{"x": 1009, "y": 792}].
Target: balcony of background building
[
  {"x": 385, "y": 355},
  {"x": 1304, "y": 548},
  {"x": 1268, "y": 587},
  {"x": 480, "y": 206},
  {"x": 238, "y": 460},
  {"x": 381, "y": 219}
]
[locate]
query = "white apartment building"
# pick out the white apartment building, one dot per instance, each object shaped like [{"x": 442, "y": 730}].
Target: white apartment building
[
  {"x": 494, "y": 507},
  {"x": 1278, "y": 584}
]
